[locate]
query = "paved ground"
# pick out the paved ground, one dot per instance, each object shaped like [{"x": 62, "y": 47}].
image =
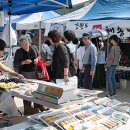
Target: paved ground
[{"x": 122, "y": 95}]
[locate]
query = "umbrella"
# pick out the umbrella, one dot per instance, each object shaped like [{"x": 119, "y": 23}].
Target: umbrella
[{"x": 98, "y": 33}]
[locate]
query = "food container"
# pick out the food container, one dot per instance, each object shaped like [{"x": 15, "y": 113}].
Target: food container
[
  {"x": 83, "y": 115},
  {"x": 35, "y": 118},
  {"x": 71, "y": 107},
  {"x": 112, "y": 103},
  {"x": 88, "y": 105},
  {"x": 122, "y": 117},
  {"x": 123, "y": 107},
  {"x": 101, "y": 101},
  {"x": 83, "y": 126},
  {"x": 67, "y": 123},
  {"x": 49, "y": 118},
  {"x": 99, "y": 127},
  {"x": 107, "y": 111},
  {"x": 73, "y": 111},
  {"x": 110, "y": 123},
  {"x": 95, "y": 119},
  {"x": 95, "y": 109}
]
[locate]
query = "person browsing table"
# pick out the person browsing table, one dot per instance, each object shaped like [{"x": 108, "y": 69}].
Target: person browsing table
[{"x": 4, "y": 67}]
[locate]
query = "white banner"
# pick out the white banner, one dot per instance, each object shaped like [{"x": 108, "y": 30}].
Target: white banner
[
  {"x": 61, "y": 27},
  {"x": 119, "y": 27}
]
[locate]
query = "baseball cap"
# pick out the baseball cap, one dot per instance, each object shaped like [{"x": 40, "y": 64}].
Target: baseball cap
[{"x": 86, "y": 35}]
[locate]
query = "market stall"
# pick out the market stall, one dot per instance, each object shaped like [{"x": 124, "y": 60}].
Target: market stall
[
  {"x": 44, "y": 93},
  {"x": 80, "y": 109},
  {"x": 95, "y": 114}
]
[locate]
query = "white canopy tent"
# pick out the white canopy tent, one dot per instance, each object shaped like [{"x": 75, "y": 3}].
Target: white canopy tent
[{"x": 32, "y": 21}]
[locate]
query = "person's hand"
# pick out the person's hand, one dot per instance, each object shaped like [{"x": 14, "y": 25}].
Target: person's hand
[
  {"x": 48, "y": 63},
  {"x": 92, "y": 72},
  {"x": 105, "y": 68},
  {"x": 66, "y": 78},
  {"x": 36, "y": 61},
  {"x": 41, "y": 75},
  {"x": 28, "y": 61},
  {"x": 20, "y": 76},
  {"x": 82, "y": 70}
]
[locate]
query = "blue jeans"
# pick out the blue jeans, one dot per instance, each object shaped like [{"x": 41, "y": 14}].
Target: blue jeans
[{"x": 110, "y": 76}]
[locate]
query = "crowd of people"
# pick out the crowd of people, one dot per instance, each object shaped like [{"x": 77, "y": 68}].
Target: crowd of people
[{"x": 57, "y": 53}]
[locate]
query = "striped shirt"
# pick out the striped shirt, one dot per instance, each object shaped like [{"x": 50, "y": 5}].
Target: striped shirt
[
  {"x": 114, "y": 56},
  {"x": 90, "y": 55}
]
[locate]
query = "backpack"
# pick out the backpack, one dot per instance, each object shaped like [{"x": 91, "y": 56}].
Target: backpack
[{"x": 73, "y": 63}]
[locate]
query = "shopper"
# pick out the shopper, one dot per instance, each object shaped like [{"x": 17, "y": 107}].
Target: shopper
[
  {"x": 69, "y": 37},
  {"x": 25, "y": 61},
  {"x": 60, "y": 58},
  {"x": 80, "y": 54},
  {"x": 2, "y": 66},
  {"x": 89, "y": 61},
  {"x": 113, "y": 58}
]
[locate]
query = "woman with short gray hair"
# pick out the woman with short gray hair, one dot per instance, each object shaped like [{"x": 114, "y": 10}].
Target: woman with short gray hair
[{"x": 25, "y": 61}]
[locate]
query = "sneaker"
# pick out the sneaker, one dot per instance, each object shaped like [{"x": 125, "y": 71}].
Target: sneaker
[
  {"x": 114, "y": 94},
  {"x": 109, "y": 96}
]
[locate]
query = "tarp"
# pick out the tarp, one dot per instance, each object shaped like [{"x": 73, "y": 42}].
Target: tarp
[
  {"x": 18, "y": 7},
  {"x": 112, "y": 15},
  {"x": 75, "y": 15},
  {"x": 60, "y": 22},
  {"x": 109, "y": 10}
]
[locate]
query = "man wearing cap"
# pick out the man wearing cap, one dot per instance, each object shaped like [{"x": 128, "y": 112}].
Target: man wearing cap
[{"x": 89, "y": 61}]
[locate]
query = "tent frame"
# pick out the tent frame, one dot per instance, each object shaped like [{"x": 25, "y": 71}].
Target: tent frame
[{"x": 29, "y": 5}]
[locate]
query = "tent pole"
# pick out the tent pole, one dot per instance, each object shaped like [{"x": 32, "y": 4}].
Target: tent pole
[
  {"x": 9, "y": 13},
  {"x": 40, "y": 38},
  {"x": 10, "y": 35}
]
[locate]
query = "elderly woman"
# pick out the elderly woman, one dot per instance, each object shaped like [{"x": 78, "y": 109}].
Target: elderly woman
[{"x": 25, "y": 61}]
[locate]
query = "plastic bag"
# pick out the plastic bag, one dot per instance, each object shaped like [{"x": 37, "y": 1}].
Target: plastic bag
[
  {"x": 42, "y": 71},
  {"x": 73, "y": 82}
]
